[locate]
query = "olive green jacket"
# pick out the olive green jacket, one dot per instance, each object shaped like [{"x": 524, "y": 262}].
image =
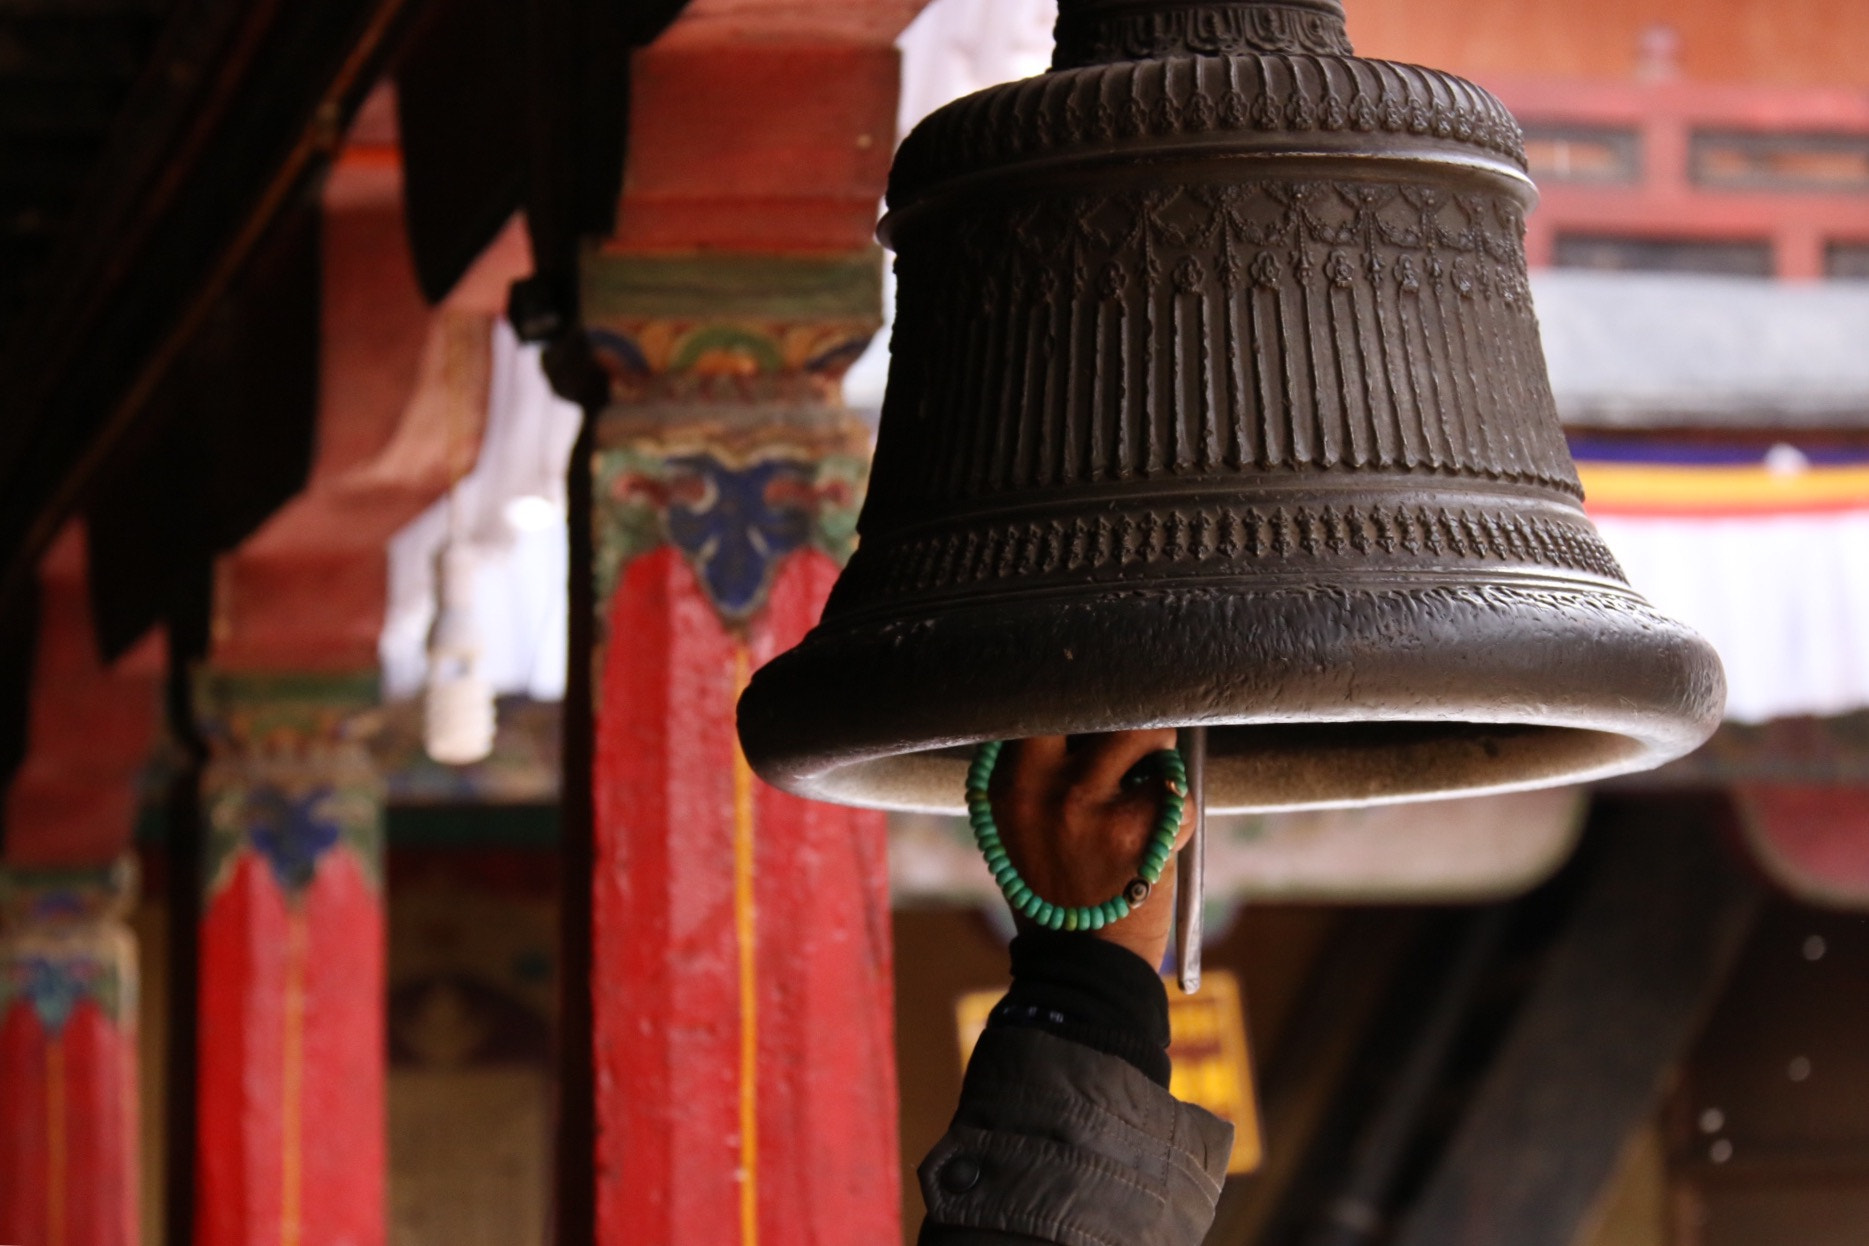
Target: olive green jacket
[{"x": 1058, "y": 1142}]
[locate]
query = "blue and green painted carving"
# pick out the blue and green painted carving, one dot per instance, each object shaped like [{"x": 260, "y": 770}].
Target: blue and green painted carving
[
  {"x": 727, "y": 438},
  {"x": 734, "y": 520},
  {"x": 64, "y": 941},
  {"x": 289, "y": 777},
  {"x": 730, "y": 325},
  {"x": 39, "y": 896},
  {"x": 54, "y": 983}
]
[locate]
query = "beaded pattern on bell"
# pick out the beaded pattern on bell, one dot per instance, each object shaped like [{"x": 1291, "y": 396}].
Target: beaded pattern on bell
[{"x": 1027, "y": 902}]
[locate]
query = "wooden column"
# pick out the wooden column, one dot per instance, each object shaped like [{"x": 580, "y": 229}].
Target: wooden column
[
  {"x": 291, "y": 1126},
  {"x": 68, "y": 963},
  {"x": 741, "y": 1059},
  {"x": 68, "y": 1112},
  {"x": 743, "y": 1044},
  {"x": 291, "y": 1132}
]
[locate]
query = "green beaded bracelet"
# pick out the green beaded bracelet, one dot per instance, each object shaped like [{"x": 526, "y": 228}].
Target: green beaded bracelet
[{"x": 1019, "y": 894}]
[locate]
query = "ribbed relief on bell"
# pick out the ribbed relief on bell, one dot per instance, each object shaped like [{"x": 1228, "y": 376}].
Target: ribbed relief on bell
[
  {"x": 1100, "y": 31},
  {"x": 1332, "y": 537},
  {"x": 1199, "y": 332},
  {"x": 1302, "y": 101}
]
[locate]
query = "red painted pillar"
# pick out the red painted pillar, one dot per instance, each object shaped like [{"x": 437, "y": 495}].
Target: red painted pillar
[
  {"x": 68, "y": 1155},
  {"x": 741, "y": 966},
  {"x": 291, "y": 1145},
  {"x": 68, "y": 964}
]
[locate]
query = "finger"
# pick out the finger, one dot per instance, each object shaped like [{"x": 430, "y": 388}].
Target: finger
[
  {"x": 1186, "y": 832},
  {"x": 1103, "y": 765},
  {"x": 1025, "y": 765}
]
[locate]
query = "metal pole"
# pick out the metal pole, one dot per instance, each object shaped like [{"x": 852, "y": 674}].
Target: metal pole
[{"x": 1191, "y": 865}]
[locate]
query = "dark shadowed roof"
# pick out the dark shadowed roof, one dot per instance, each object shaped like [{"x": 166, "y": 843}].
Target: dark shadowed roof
[{"x": 66, "y": 69}]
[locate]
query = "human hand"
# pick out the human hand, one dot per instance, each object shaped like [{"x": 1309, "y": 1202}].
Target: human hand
[{"x": 1075, "y": 831}]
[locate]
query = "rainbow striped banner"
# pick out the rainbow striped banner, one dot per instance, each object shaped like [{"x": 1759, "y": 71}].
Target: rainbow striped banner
[{"x": 1679, "y": 480}]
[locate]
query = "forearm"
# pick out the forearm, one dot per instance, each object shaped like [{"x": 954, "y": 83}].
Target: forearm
[{"x": 1066, "y": 1132}]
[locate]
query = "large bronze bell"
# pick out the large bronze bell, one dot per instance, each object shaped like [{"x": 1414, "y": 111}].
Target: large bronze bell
[{"x": 1217, "y": 398}]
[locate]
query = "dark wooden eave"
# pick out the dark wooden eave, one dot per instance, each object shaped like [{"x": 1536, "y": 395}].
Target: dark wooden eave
[
  {"x": 232, "y": 116},
  {"x": 66, "y": 67}
]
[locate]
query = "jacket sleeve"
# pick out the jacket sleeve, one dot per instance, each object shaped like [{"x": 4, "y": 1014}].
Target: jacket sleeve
[{"x": 1057, "y": 1142}]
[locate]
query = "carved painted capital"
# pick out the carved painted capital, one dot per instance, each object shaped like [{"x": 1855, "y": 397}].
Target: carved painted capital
[
  {"x": 66, "y": 896},
  {"x": 731, "y": 328},
  {"x": 290, "y": 777},
  {"x": 727, "y": 437},
  {"x": 63, "y": 942},
  {"x": 736, "y": 492}
]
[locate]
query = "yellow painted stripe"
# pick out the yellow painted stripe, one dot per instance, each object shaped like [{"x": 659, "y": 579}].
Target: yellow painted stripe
[
  {"x": 57, "y": 1144},
  {"x": 1642, "y": 487},
  {"x": 292, "y": 1085},
  {"x": 746, "y": 933}
]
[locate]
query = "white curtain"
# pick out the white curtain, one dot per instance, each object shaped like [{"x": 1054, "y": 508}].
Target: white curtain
[{"x": 1784, "y": 598}]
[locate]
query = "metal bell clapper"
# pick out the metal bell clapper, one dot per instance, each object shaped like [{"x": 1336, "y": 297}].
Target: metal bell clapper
[
  {"x": 1217, "y": 401},
  {"x": 1191, "y": 864}
]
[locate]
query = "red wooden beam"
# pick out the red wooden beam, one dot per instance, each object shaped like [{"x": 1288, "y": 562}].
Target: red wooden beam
[
  {"x": 756, "y": 146},
  {"x": 91, "y": 732},
  {"x": 402, "y": 404}
]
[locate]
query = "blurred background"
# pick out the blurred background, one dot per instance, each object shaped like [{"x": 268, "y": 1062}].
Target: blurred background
[{"x": 308, "y": 940}]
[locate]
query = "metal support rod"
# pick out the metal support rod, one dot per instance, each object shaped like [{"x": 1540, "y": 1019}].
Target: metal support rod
[{"x": 1191, "y": 864}]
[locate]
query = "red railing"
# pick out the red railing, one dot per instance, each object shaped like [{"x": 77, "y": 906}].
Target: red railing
[{"x": 1678, "y": 163}]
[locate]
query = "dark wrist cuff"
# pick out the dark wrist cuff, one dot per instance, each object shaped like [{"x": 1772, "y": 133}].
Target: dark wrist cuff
[{"x": 1089, "y": 991}]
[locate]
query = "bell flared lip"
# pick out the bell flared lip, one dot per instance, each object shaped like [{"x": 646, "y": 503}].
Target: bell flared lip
[{"x": 1317, "y": 696}]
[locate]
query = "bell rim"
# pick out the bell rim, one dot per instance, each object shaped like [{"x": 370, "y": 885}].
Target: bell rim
[{"x": 1632, "y": 689}]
